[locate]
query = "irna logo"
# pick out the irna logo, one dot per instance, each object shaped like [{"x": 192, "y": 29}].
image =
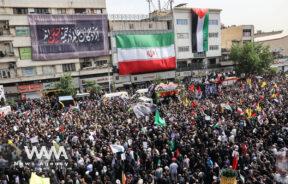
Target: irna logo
[{"x": 44, "y": 153}]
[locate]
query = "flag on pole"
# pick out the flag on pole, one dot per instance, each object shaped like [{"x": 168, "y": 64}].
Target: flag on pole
[
  {"x": 264, "y": 84},
  {"x": 158, "y": 120},
  {"x": 200, "y": 23},
  {"x": 117, "y": 148},
  {"x": 35, "y": 179},
  {"x": 186, "y": 102},
  {"x": 199, "y": 89},
  {"x": 191, "y": 88},
  {"x": 145, "y": 53},
  {"x": 248, "y": 112}
]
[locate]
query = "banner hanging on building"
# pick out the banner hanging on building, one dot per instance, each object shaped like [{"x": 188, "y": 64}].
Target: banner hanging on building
[
  {"x": 68, "y": 36},
  {"x": 2, "y": 93},
  {"x": 200, "y": 24},
  {"x": 145, "y": 53}
]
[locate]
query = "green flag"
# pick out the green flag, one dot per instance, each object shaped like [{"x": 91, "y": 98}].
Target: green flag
[{"x": 158, "y": 120}]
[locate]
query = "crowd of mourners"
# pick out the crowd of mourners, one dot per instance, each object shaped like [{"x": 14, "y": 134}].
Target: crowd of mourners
[{"x": 243, "y": 127}]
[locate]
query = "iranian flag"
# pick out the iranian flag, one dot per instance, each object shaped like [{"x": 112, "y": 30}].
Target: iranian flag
[
  {"x": 200, "y": 21},
  {"x": 145, "y": 53}
]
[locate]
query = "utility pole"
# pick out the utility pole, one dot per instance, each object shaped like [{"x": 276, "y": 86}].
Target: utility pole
[
  {"x": 149, "y": 2},
  {"x": 171, "y": 4},
  {"x": 159, "y": 5}
]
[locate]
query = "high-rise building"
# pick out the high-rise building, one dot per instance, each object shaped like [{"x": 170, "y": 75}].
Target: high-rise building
[{"x": 22, "y": 74}]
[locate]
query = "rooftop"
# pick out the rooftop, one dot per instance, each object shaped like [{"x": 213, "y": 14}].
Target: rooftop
[{"x": 271, "y": 37}]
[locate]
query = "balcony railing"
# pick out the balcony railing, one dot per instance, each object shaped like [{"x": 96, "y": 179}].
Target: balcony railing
[{"x": 197, "y": 66}]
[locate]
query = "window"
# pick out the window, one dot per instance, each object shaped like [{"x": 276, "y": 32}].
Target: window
[
  {"x": 182, "y": 21},
  {"x": 213, "y": 47},
  {"x": 183, "y": 49},
  {"x": 213, "y": 22},
  {"x": 247, "y": 32},
  {"x": 131, "y": 26},
  {"x": 95, "y": 11},
  {"x": 150, "y": 26},
  {"x": 182, "y": 35},
  {"x": 101, "y": 63},
  {"x": 48, "y": 70},
  {"x": 61, "y": 11},
  {"x": 5, "y": 73},
  {"x": 85, "y": 64},
  {"x": 182, "y": 64},
  {"x": 28, "y": 71},
  {"x": 20, "y": 10},
  {"x": 22, "y": 31},
  {"x": 25, "y": 53},
  {"x": 41, "y": 10},
  {"x": 69, "y": 67},
  {"x": 200, "y": 54},
  {"x": 80, "y": 10},
  {"x": 213, "y": 35}
]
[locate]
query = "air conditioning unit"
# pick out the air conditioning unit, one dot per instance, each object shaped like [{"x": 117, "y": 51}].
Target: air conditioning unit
[
  {"x": 6, "y": 26},
  {"x": 12, "y": 65}
]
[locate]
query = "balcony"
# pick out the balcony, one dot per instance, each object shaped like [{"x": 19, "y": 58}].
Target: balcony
[
  {"x": 7, "y": 57},
  {"x": 197, "y": 66},
  {"x": 5, "y": 37}
]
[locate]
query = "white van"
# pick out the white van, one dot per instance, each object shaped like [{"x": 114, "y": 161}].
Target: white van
[{"x": 122, "y": 94}]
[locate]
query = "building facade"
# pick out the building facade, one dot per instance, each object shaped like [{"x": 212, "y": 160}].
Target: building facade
[
  {"x": 19, "y": 73},
  {"x": 234, "y": 35},
  {"x": 196, "y": 64},
  {"x": 278, "y": 43}
]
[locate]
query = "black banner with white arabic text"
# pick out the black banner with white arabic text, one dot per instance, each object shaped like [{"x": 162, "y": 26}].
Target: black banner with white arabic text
[{"x": 68, "y": 36}]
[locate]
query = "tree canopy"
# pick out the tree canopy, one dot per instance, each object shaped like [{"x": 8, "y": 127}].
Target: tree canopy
[
  {"x": 251, "y": 58},
  {"x": 65, "y": 85}
]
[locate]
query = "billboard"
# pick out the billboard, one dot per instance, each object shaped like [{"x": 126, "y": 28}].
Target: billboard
[{"x": 68, "y": 36}]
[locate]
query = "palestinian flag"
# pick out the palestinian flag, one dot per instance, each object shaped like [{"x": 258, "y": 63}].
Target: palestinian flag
[
  {"x": 145, "y": 53},
  {"x": 200, "y": 21}
]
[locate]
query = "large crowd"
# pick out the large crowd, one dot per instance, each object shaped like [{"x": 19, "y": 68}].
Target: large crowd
[{"x": 244, "y": 127}]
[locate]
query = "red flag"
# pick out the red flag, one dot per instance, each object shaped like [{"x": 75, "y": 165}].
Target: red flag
[
  {"x": 191, "y": 88},
  {"x": 199, "y": 89},
  {"x": 235, "y": 163},
  {"x": 194, "y": 104},
  {"x": 177, "y": 153}
]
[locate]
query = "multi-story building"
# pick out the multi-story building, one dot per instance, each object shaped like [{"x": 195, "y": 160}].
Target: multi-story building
[
  {"x": 19, "y": 73},
  {"x": 232, "y": 35},
  {"x": 236, "y": 34},
  {"x": 278, "y": 44},
  {"x": 138, "y": 24},
  {"x": 196, "y": 64}
]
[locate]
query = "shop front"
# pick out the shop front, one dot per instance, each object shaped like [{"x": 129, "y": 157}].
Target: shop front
[{"x": 30, "y": 91}]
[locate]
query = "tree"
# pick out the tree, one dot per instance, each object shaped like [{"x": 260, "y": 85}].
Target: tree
[
  {"x": 92, "y": 87},
  {"x": 65, "y": 85},
  {"x": 251, "y": 58}
]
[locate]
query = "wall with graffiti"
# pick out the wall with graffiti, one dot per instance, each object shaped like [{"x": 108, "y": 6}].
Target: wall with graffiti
[{"x": 68, "y": 36}]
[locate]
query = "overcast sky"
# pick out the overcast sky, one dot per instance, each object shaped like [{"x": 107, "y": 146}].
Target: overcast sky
[{"x": 267, "y": 15}]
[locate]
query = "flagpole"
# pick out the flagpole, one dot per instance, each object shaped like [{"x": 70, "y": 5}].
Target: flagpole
[{"x": 109, "y": 80}]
